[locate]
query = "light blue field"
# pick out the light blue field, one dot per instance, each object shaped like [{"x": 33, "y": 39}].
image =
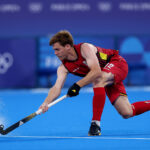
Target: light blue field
[{"x": 66, "y": 124}]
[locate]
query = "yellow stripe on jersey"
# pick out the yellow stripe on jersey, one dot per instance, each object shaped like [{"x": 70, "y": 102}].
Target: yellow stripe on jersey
[
  {"x": 122, "y": 94},
  {"x": 103, "y": 56}
]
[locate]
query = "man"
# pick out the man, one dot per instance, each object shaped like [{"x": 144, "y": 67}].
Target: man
[{"x": 104, "y": 68}]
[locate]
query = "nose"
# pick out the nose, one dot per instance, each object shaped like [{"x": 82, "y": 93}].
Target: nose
[{"x": 56, "y": 52}]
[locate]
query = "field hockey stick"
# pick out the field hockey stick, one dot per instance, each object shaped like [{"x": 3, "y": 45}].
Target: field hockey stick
[{"x": 26, "y": 119}]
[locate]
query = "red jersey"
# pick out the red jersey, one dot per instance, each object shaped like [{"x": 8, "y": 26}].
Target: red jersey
[{"x": 79, "y": 66}]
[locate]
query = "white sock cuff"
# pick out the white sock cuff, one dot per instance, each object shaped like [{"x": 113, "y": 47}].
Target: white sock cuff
[{"x": 97, "y": 122}]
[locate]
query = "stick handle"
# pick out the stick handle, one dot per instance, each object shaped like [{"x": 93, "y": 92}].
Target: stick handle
[{"x": 51, "y": 104}]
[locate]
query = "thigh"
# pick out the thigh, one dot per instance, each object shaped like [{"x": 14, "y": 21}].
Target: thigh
[
  {"x": 115, "y": 90},
  {"x": 105, "y": 80},
  {"x": 123, "y": 106}
]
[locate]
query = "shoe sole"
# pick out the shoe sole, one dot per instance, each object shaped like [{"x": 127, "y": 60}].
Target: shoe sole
[{"x": 94, "y": 134}]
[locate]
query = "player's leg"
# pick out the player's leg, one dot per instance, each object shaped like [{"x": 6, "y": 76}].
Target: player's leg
[
  {"x": 123, "y": 107},
  {"x": 99, "y": 101},
  {"x": 128, "y": 110},
  {"x": 110, "y": 75},
  {"x": 117, "y": 92},
  {"x": 98, "y": 105},
  {"x": 140, "y": 107},
  {"x": 118, "y": 97}
]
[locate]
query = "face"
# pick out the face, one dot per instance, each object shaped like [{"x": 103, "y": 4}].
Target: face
[{"x": 61, "y": 51}]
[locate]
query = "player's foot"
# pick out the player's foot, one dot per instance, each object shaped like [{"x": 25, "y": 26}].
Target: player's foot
[{"x": 94, "y": 130}]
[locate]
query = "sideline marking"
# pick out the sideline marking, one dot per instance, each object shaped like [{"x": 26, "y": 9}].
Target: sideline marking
[{"x": 62, "y": 137}]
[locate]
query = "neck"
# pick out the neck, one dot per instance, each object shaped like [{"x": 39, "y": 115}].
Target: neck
[{"x": 72, "y": 55}]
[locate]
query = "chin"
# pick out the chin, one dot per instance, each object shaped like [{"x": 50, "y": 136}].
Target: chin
[{"x": 61, "y": 58}]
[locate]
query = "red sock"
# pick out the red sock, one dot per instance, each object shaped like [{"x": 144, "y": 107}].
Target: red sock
[
  {"x": 98, "y": 102},
  {"x": 140, "y": 107}
]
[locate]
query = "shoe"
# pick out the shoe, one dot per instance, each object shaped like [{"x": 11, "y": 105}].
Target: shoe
[{"x": 95, "y": 130}]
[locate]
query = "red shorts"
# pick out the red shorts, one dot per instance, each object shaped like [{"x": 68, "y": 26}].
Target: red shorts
[{"x": 119, "y": 67}]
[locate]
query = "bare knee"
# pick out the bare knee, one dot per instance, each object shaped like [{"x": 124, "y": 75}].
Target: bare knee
[
  {"x": 126, "y": 114},
  {"x": 104, "y": 79},
  {"x": 108, "y": 78},
  {"x": 123, "y": 107}
]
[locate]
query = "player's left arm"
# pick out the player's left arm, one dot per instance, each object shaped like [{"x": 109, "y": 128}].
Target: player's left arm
[{"x": 88, "y": 52}]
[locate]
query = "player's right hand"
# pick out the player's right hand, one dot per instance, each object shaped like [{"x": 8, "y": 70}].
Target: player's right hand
[{"x": 44, "y": 107}]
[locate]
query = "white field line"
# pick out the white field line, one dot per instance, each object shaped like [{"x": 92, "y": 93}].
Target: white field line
[{"x": 63, "y": 137}]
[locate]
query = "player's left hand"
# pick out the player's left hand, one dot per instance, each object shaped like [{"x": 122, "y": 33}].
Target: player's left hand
[{"x": 73, "y": 90}]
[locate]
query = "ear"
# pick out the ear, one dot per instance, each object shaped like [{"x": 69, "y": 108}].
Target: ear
[{"x": 68, "y": 46}]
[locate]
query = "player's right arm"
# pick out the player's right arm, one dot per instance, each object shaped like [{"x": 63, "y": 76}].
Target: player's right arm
[{"x": 56, "y": 89}]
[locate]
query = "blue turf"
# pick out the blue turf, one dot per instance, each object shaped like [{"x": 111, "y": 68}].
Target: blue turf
[{"x": 66, "y": 124}]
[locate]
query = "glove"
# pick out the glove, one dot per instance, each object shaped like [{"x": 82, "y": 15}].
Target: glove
[{"x": 73, "y": 90}]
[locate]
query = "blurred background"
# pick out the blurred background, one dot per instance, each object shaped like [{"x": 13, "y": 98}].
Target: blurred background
[{"x": 27, "y": 61}]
